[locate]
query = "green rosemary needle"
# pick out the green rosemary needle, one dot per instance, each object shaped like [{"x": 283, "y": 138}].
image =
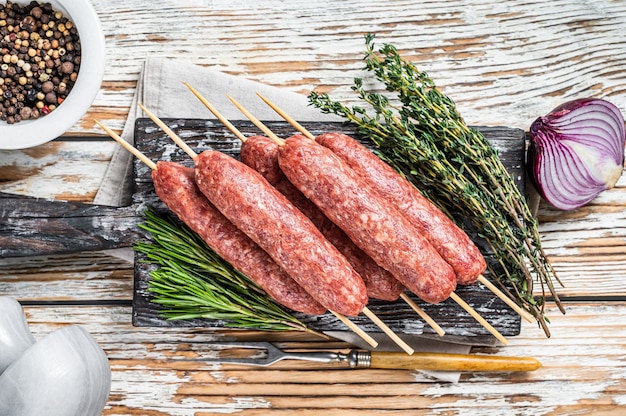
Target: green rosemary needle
[
  {"x": 426, "y": 140},
  {"x": 191, "y": 281}
]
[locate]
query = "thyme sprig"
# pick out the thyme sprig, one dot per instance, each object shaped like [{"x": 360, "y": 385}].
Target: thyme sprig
[
  {"x": 420, "y": 133},
  {"x": 191, "y": 281}
]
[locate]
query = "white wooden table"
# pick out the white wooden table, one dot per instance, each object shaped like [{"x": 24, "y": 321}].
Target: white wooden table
[{"x": 503, "y": 62}]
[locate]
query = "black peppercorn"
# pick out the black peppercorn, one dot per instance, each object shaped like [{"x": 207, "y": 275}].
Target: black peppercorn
[
  {"x": 28, "y": 23},
  {"x": 31, "y": 96}
]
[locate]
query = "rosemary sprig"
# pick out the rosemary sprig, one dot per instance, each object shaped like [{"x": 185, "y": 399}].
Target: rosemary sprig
[
  {"x": 426, "y": 140},
  {"x": 192, "y": 281}
]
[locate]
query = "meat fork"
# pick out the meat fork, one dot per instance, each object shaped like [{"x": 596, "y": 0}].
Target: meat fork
[{"x": 269, "y": 354}]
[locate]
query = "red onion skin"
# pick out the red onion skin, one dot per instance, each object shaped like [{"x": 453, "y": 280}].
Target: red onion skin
[{"x": 557, "y": 171}]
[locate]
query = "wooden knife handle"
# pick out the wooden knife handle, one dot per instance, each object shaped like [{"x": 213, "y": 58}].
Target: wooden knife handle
[{"x": 451, "y": 362}]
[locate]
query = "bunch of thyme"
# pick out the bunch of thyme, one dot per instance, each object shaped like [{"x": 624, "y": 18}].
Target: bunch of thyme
[
  {"x": 192, "y": 281},
  {"x": 426, "y": 140}
]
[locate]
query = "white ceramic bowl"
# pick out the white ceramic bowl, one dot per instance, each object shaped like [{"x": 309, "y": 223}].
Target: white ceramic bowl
[{"x": 29, "y": 133}]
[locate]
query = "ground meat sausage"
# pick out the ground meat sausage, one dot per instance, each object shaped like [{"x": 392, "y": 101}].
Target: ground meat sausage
[
  {"x": 175, "y": 185},
  {"x": 261, "y": 154},
  {"x": 452, "y": 243},
  {"x": 374, "y": 225},
  {"x": 289, "y": 237}
]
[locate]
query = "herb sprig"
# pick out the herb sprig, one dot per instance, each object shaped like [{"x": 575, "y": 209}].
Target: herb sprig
[
  {"x": 192, "y": 281},
  {"x": 426, "y": 140}
]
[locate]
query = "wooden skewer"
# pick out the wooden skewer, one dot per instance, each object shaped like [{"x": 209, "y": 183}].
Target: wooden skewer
[
  {"x": 287, "y": 117},
  {"x": 127, "y": 146},
  {"x": 395, "y": 338},
  {"x": 153, "y": 166},
  {"x": 430, "y": 321},
  {"x": 371, "y": 341},
  {"x": 264, "y": 128},
  {"x": 169, "y": 132},
  {"x": 479, "y": 318},
  {"x": 366, "y": 311},
  {"x": 494, "y": 289},
  {"x": 524, "y": 314},
  {"x": 364, "y": 335},
  {"x": 257, "y": 122},
  {"x": 233, "y": 129},
  {"x": 216, "y": 113}
]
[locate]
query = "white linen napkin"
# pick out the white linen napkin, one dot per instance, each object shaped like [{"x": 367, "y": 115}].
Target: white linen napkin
[{"x": 160, "y": 88}]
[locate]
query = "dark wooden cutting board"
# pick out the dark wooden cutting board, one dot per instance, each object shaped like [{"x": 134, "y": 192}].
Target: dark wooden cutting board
[{"x": 210, "y": 134}]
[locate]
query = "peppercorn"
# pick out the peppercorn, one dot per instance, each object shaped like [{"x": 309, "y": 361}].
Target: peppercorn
[
  {"x": 36, "y": 12},
  {"x": 67, "y": 68},
  {"x": 39, "y": 60},
  {"x": 26, "y": 113},
  {"x": 31, "y": 96},
  {"x": 28, "y": 23},
  {"x": 51, "y": 98},
  {"x": 47, "y": 87}
]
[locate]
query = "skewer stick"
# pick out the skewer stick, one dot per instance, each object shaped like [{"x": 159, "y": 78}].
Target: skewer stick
[
  {"x": 257, "y": 122},
  {"x": 128, "y": 146},
  {"x": 524, "y": 314},
  {"x": 216, "y": 113},
  {"x": 304, "y": 131},
  {"x": 399, "y": 342},
  {"x": 169, "y": 132},
  {"x": 153, "y": 166},
  {"x": 371, "y": 341},
  {"x": 479, "y": 318},
  {"x": 521, "y": 312},
  {"x": 177, "y": 139},
  {"x": 287, "y": 117},
  {"x": 430, "y": 321},
  {"x": 364, "y": 335}
]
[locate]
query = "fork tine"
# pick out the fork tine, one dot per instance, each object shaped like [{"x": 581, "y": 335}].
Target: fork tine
[{"x": 272, "y": 354}]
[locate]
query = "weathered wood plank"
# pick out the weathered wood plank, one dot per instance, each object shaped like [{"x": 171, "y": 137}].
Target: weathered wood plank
[
  {"x": 35, "y": 226},
  {"x": 587, "y": 246},
  {"x": 147, "y": 381},
  {"x": 68, "y": 170},
  {"x": 534, "y": 56},
  {"x": 87, "y": 277}
]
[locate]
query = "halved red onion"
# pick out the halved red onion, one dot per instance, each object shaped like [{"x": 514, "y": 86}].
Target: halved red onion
[{"x": 576, "y": 152}]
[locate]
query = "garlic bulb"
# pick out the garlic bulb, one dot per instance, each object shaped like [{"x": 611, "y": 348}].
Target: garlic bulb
[
  {"x": 64, "y": 374},
  {"x": 15, "y": 337}
]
